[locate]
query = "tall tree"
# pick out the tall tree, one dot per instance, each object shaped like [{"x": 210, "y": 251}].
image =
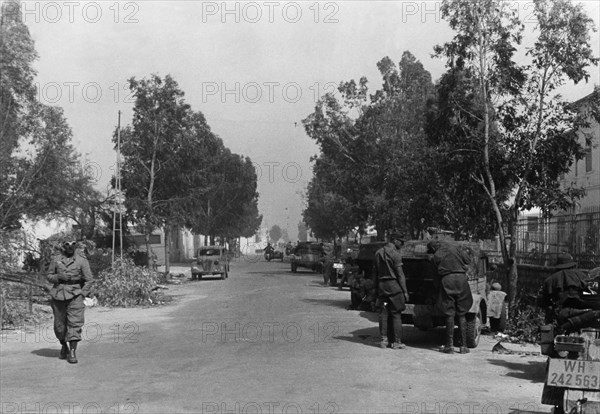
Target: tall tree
[
  {"x": 40, "y": 171},
  {"x": 150, "y": 150},
  {"x": 302, "y": 232},
  {"x": 275, "y": 233},
  {"x": 373, "y": 152},
  {"x": 328, "y": 214},
  {"x": 229, "y": 206},
  {"x": 519, "y": 121},
  {"x": 18, "y": 102}
]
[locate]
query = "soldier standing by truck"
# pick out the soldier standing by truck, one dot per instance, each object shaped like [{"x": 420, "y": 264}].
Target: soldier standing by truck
[
  {"x": 455, "y": 294},
  {"x": 390, "y": 291}
]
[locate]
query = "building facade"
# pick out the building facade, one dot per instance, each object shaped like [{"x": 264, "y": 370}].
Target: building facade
[
  {"x": 576, "y": 231},
  {"x": 585, "y": 173}
]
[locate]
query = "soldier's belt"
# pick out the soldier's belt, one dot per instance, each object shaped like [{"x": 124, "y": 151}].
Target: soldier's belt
[{"x": 70, "y": 282}]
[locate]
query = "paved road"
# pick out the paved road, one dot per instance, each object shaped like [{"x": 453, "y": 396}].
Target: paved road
[{"x": 263, "y": 341}]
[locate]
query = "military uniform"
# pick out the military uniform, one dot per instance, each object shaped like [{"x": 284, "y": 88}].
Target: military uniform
[
  {"x": 567, "y": 309},
  {"x": 329, "y": 273},
  {"x": 71, "y": 279},
  {"x": 362, "y": 293},
  {"x": 455, "y": 294},
  {"x": 390, "y": 285}
]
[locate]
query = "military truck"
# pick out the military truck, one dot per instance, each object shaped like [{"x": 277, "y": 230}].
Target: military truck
[
  {"x": 309, "y": 256},
  {"x": 423, "y": 286}
]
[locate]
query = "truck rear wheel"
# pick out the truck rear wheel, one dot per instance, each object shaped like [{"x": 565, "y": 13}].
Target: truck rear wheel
[{"x": 473, "y": 329}]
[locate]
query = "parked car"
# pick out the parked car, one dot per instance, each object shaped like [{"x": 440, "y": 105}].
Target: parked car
[
  {"x": 423, "y": 287},
  {"x": 211, "y": 260},
  {"x": 308, "y": 255}
]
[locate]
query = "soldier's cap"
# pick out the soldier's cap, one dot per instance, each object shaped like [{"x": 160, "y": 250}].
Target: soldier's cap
[
  {"x": 565, "y": 261},
  {"x": 397, "y": 236}
]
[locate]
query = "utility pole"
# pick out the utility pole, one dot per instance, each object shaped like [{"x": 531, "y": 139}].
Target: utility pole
[{"x": 119, "y": 199}]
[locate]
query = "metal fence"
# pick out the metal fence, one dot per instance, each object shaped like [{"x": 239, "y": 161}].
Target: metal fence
[{"x": 539, "y": 240}]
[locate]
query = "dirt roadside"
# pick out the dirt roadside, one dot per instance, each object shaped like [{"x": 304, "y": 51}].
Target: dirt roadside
[
  {"x": 101, "y": 321},
  {"x": 162, "y": 359}
]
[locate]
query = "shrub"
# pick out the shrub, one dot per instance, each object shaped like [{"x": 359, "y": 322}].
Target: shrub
[
  {"x": 126, "y": 284},
  {"x": 14, "y": 310},
  {"x": 139, "y": 255},
  {"x": 524, "y": 321},
  {"x": 99, "y": 259}
]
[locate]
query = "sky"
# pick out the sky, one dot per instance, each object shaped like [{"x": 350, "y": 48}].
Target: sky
[{"x": 254, "y": 69}]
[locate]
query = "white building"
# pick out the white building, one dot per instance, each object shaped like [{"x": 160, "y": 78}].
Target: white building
[{"x": 585, "y": 173}]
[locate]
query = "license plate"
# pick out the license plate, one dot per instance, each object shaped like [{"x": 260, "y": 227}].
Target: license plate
[
  {"x": 338, "y": 266},
  {"x": 570, "y": 373}
]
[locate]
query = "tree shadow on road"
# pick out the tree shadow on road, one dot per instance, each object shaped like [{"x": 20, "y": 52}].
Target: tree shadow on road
[
  {"x": 534, "y": 371},
  {"x": 411, "y": 337},
  {"x": 265, "y": 273},
  {"x": 47, "y": 352},
  {"x": 338, "y": 303}
]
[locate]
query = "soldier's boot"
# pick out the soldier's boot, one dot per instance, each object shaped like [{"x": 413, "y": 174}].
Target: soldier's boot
[
  {"x": 72, "y": 358},
  {"x": 64, "y": 350},
  {"x": 383, "y": 344},
  {"x": 449, "y": 347},
  {"x": 462, "y": 328}
]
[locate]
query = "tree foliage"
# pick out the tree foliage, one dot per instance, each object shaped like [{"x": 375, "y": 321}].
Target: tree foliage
[
  {"x": 503, "y": 121},
  {"x": 275, "y": 233},
  {"x": 177, "y": 172},
  {"x": 41, "y": 175},
  {"x": 374, "y": 159}
]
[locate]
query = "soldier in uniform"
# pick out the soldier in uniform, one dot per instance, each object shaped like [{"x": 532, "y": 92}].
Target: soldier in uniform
[
  {"x": 329, "y": 274},
  {"x": 562, "y": 297},
  {"x": 391, "y": 292},
  {"x": 568, "y": 310},
  {"x": 71, "y": 279},
  {"x": 455, "y": 295}
]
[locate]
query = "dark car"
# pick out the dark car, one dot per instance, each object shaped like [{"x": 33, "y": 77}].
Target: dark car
[
  {"x": 423, "y": 286},
  {"x": 211, "y": 260},
  {"x": 309, "y": 256}
]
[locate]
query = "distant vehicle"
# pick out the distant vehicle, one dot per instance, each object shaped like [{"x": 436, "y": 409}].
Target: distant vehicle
[
  {"x": 309, "y": 256},
  {"x": 274, "y": 254},
  {"x": 345, "y": 264},
  {"x": 421, "y": 281},
  {"x": 211, "y": 260},
  {"x": 289, "y": 248}
]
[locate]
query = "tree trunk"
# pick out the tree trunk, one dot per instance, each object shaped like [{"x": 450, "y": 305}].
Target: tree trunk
[
  {"x": 167, "y": 248},
  {"x": 147, "y": 233},
  {"x": 511, "y": 260}
]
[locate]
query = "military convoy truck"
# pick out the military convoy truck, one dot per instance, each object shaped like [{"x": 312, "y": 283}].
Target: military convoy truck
[
  {"x": 423, "y": 286},
  {"x": 309, "y": 256}
]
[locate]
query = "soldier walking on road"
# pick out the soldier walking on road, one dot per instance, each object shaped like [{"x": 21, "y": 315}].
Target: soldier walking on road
[
  {"x": 71, "y": 277},
  {"x": 390, "y": 291},
  {"x": 455, "y": 295}
]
